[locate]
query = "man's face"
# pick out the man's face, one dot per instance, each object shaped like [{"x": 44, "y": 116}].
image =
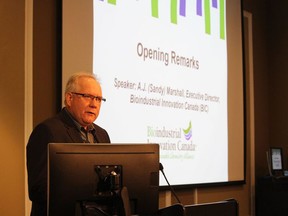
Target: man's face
[{"x": 85, "y": 110}]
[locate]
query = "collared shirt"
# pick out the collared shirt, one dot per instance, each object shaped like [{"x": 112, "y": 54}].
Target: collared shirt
[{"x": 86, "y": 135}]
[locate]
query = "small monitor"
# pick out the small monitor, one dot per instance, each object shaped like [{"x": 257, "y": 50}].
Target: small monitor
[
  {"x": 92, "y": 173},
  {"x": 276, "y": 160}
]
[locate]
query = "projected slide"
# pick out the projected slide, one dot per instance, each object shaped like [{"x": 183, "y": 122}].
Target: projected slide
[{"x": 163, "y": 70}]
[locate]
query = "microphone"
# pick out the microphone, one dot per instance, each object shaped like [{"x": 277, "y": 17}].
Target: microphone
[{"x": 161, "y": 168}]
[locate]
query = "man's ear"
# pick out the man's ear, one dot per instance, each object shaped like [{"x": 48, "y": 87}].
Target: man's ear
[{"x": 68, "y": 98}]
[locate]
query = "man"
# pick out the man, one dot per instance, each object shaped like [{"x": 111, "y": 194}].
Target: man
[{"x": 74, "y": 124}]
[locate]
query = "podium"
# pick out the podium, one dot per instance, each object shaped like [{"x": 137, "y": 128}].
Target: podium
[
  {"x": 223, "y": 208},
  {"x": 272, "y": 196}
]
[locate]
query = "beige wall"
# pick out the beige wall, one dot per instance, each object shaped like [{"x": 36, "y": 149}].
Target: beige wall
[
  {"x": 46, "y": 64},
  {"x": 12, "y": 166}
]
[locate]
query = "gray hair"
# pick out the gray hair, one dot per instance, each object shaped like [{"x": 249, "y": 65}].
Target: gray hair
[{"x": 73, "y": 81}]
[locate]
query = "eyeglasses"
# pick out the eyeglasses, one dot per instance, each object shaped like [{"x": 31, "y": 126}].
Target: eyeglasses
[{"x": 90, "y": 97}]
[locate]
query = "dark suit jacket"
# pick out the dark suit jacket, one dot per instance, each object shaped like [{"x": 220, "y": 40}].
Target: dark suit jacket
[{"x": 59, "y": 129}]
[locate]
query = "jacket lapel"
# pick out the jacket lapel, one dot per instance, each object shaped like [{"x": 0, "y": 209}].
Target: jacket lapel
[{"x": 71, "y": 128}]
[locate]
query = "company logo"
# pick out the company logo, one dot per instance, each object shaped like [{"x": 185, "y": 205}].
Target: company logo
[
  {"x": 188, "y": 131},
  {"x": 171, "y": 140}
]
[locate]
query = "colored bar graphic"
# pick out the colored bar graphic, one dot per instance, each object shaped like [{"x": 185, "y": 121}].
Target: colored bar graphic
[
  {"x": 207, "y": 16},
  {"x": 214, "y": 4},
  {"x": 200, "y": 4},
  {"x": 112, "y": 2},
  {"x": 222, "y": 18},
  {"x": 183, "y": 8},
  {"x": 199, "y": 7},
  {"x": 173, "y": 11},
  {"x": 154, "y": 8}
]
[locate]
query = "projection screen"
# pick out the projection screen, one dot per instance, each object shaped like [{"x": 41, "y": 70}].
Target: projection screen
[{"x": 172, "y": 74}]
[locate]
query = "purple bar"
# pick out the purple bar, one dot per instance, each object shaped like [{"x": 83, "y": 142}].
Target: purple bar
[
  {"x": 183, "y": 8},
  {"x": 214, "y": 4},
  {"x": 199, "y": 7}
]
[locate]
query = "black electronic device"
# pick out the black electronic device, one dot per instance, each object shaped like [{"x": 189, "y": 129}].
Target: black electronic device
[{"x": 93, "y": 175}]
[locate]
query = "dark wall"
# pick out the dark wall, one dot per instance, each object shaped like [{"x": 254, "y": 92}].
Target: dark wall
[
  {"x": 270, "y": 33},
  {"x": 46, "y": 59},
  {"x": 277, "y": 63},
  {"x": 260, "y": 12}
]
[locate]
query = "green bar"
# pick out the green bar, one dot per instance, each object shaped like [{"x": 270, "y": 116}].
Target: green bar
[
  {"x": 154, "y": 4},
  {"x": 207, "y": 17},
  {"x": 222, "y": 19},
  {"x": 112, "y": 2},
  {"x": 174, "y": 11}
]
